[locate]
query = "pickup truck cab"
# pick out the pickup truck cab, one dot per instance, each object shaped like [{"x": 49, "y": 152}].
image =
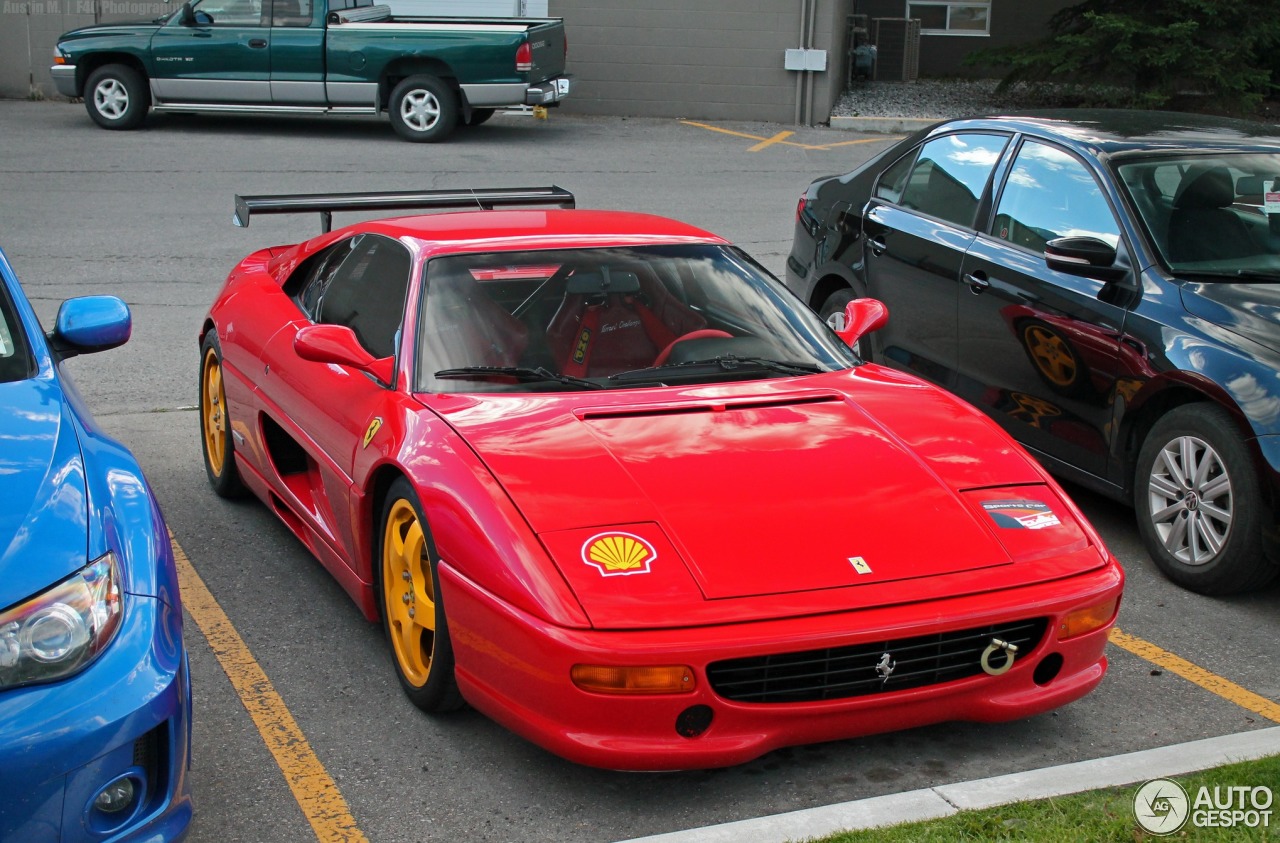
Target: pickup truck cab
[{"x": 313, "y": 57}]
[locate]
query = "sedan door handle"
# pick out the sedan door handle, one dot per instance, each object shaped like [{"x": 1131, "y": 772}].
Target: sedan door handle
[
  {"x": 257, "y": 43},
  {"x": 878, "y": 246},
  {"x": 978, "y": 282}
]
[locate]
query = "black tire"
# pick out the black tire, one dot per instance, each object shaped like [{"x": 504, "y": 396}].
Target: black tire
[
  {"x": 116, "y": 97},
  {"x": 1205, "y": 533},
  {"x": 423, "y": 109},
  {"x": 478, "y": 116},
  {"x": 216, "y": 442},
  {"x": 407, "y": 576},
  {"x": 835, "y": 303}
]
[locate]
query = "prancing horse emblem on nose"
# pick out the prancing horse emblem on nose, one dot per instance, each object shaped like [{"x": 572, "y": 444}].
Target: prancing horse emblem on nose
[{"x": 885, "y": 668}]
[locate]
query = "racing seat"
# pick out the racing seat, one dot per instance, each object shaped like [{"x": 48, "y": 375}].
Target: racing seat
[
  {"x": 613, "y": 321},
  {"x": 1203, "y": 227}
]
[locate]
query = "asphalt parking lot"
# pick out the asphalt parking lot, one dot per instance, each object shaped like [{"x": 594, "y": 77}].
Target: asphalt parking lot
[{"x": 301, "y": 730}]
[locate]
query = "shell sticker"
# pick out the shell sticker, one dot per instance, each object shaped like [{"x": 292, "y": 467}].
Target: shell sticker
[
  {"x": 372, "y": 431},
  {"x": 1021, "y": 514},
  {"x": 618, "y": 554}
]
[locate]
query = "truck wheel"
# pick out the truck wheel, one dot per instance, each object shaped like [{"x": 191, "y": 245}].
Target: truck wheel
[
  {"x": 423, "y": 109},
  {"x": 116, "y": 97}
]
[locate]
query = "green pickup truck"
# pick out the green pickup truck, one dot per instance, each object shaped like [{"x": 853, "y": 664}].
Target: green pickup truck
[{"x": 313, "y": 57}]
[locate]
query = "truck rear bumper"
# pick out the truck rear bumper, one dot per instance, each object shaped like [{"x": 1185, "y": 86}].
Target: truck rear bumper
[
  {"x": 516, "y": 93},
  {"x": 64, "y": 79}
]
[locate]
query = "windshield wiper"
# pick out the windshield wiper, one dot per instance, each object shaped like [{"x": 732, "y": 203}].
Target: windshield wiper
[
  {"x": 1259, "y": 274},
  {"x": 724, "y": 362},
  {"x": 1233, "y": 274},
  {"x": 524, "y": 374}
]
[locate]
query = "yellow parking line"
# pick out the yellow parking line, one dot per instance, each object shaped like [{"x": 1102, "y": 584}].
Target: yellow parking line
[
  {"x": 1211, "y": 682},
  {"x": 781, "y": 136},
  {"x": 722, "y": 131},
  {"x": 315, "y": 791}
]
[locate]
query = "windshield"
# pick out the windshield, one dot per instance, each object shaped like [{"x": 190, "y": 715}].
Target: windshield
[
  {"x": 1211, "y": 214},
  {"x": 581, "y": 319},
  {"x": 15, "y": 359}
]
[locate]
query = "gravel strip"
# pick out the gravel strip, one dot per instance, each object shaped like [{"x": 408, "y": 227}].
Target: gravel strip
[{"x": 939, "y": 98}]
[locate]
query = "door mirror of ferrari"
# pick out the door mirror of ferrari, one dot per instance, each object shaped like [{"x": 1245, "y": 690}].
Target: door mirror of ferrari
[
  {"x": 1087, "y": 256},
  {"x": 337, "y": 344},
  {"x": 860, "y": 317}
]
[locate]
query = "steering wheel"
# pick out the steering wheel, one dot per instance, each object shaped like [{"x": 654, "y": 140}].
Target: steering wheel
[{"x": 705, "y": 333}]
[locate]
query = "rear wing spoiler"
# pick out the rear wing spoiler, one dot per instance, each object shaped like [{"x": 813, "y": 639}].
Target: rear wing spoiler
[{"x": 325, "y": 204}]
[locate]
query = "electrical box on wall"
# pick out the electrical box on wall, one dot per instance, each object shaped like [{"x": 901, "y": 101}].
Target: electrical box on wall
[{"x": 800, "y": 59}]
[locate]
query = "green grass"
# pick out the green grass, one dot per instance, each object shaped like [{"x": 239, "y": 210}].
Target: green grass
[{"x": 1097, "y": 815}]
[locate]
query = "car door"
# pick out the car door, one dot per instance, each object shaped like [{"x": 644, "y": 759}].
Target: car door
[
  {"x": 297, "y": 53},
  {"x": 917, "y": 228},
  {"x": 221, "y": 55},
  {"x": 360, "y": 282},
  {"x": 1041, "y": 350}
]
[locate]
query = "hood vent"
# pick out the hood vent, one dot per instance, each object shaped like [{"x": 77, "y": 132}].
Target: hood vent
[{"x": 705, "y": 405}]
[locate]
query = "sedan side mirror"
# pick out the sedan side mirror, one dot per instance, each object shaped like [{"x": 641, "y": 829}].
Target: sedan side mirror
[
  {"x": 91, "y": 323},
  {"x": 1086, "y": 256},
  {"x": 859, "y": 318},
  {"x": 338, "y": 344}
]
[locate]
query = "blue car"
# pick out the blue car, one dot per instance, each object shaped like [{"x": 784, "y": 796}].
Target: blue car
[{"x": 95, "y": 692}]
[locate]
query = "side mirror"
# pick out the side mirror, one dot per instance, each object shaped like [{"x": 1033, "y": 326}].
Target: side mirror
[
  {"x": 338, "y": 344},
  {"x": 1086, "y": 256},
  {"x": 91, "y": 323},
  {"x": 187, "y": 15},
  {"x": 860, "y": 317}
]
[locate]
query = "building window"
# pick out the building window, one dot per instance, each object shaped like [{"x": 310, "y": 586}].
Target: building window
[{"x": 952, "y": 18}]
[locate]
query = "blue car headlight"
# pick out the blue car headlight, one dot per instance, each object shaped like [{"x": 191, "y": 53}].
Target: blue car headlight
[{"x": 59, "y": 631}]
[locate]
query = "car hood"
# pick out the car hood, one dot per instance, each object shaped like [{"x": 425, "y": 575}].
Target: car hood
[
  {"x": 851, "y": 479},
  {"x": 139, "y": 28},
  {"x": 43, "y": 522},
  {"x": 1250, "y": 310}
]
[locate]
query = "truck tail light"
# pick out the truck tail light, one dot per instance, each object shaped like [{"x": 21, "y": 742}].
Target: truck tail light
[{"x": 524, "y": 58}]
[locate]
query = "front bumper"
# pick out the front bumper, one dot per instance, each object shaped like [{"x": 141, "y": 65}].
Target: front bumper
[
  {"x": 515, "y": 668},
  {"x": 128, "y": 713},
  {"x": 64, "y": 79}
]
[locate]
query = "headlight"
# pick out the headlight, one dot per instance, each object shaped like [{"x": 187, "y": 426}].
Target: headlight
[{"x": 59, "y": 631}]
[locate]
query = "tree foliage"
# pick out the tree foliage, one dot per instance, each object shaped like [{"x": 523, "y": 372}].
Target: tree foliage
[{"x": 1154, "y": 53}]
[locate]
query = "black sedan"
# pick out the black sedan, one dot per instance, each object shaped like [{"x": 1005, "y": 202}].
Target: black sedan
[{"x": 1106, "y": 285}]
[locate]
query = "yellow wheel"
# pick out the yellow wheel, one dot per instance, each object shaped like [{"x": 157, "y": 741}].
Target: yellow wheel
[
  {"x": 412, "y": 612},
  {"x": 1054, "y": 360},
  {"x": 215, "y": 425}
]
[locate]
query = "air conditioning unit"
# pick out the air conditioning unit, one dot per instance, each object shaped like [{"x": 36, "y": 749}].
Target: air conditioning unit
[{"x": 897, "y": 43}]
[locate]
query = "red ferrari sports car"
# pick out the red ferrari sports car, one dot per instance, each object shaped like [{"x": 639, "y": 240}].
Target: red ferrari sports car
[{"x": 604, "y": 478}]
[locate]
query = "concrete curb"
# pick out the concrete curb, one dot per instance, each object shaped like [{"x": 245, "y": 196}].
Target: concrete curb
[
  {"x": 945, "y": 800},
  {"x": 887, "y": 125}
]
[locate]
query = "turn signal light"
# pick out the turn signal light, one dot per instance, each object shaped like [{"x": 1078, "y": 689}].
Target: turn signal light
[
  {"x": 1088, "y": 619},
  {"x": 651, "y": 679}
]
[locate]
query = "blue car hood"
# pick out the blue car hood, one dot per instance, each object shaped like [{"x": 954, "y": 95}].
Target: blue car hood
[{"x": 43, "y": 501}]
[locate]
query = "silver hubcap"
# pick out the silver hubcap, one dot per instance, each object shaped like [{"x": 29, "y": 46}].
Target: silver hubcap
[
  {"x": 1190, "y": 498},
  {"x": 111, "y": 98},
  {"x": 420, "y": 110}
]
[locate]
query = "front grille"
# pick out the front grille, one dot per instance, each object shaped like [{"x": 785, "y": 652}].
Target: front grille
[{"x": 837, "y": 673}]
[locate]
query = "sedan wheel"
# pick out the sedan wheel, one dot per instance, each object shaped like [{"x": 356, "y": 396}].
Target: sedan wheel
[
  {"x": 1198, "y": 502},
  {"x": 412, "y": 613}
]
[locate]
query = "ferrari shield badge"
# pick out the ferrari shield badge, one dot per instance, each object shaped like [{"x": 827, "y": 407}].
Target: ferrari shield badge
[
  {"x": 859, "y": 564},
  {"x": 371, "y": 431},
  {"x": 618, "y": 554}
]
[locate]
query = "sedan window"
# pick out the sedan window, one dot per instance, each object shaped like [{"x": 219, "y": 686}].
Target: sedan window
[
  {"x": 1050, "y": 194},
  {"x": 951, "y": 174}
]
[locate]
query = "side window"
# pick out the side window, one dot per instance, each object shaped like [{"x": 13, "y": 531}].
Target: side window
[
  {"x": 290, "y": 12},
  {"x": 1049, "y": 194},
  {"x": 367, "y": 292},
  {"x": 950, "y": 175},
  {"x": 894, "y": 179},
  {"x": 228, "y": 12},
  {"x": 309, "y": 282}
]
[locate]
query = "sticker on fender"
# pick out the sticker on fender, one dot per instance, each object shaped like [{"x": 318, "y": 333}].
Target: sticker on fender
[{"x": 1021, "y": 514}]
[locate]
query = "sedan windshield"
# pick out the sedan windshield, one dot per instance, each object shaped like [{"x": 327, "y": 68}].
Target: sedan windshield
[
  {"x": 582, "y": 319},
  {"x": 15, "y": 360},
  {"x": 1215, "y": 215}
]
